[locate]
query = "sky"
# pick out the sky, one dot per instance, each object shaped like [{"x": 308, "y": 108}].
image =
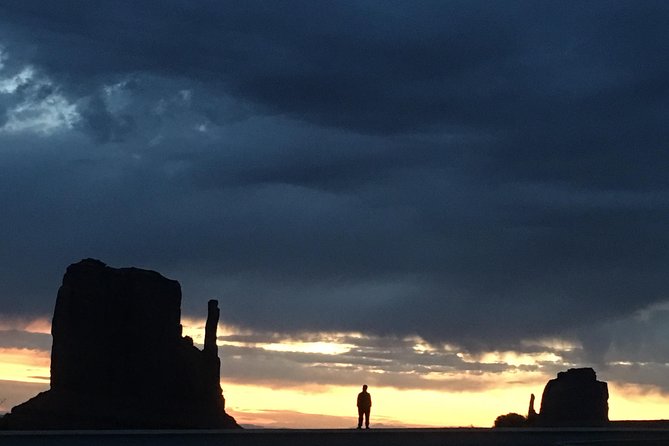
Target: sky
[{"x": 450, "y": 201}]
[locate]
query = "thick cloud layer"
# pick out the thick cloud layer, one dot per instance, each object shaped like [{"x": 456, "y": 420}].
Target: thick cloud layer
[{"x": 473, "y": 173}]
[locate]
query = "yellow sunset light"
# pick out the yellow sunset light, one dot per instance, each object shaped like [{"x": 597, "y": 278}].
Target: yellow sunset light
[
  {"x": 391, "y": 406},
  {"x": 634, "y": 402},
  {"x": 324, "y": 348},
  {"x": 447, "y": 397},
  {"x": 24, "y": 365}
]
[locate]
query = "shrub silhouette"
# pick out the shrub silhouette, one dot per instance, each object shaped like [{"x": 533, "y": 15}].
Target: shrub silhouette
[{"x": 511, "y": 420}]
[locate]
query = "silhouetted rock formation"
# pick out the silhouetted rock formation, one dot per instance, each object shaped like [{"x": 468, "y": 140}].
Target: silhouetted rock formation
[
  {"x": 119, "y": 359},
  {"x": 531, "y": 413},
  {"x": 575, "y": 398}
]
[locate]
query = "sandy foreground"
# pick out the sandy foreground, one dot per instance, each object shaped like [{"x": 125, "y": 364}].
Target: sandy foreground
[{"x": 327, "y": 437}]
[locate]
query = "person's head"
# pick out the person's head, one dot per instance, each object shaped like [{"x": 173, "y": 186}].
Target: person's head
[{"x": 364, "y": 387}]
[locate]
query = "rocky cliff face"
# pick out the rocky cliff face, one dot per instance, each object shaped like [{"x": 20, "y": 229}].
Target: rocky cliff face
[
  {"x": 575, "y": 398},
  {"x": 119, "y": 359}
]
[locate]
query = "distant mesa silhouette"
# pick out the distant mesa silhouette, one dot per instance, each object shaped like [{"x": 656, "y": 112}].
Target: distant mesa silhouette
[
  {"x": 119, "y": 360},
  {"x": 575, "y": 398}
]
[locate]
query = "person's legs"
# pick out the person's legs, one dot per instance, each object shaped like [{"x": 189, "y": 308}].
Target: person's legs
[
  {"x": 360, "y": 414},
  {"x": 367, "y": 418}
]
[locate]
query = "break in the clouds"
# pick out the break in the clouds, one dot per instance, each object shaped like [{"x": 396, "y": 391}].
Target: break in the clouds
[{"x": 471, "y": 173}]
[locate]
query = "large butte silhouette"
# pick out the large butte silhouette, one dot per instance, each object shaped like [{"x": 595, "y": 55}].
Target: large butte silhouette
[
  {"x": 119, "y": 360},
  {"x": 574, "y": 398}
]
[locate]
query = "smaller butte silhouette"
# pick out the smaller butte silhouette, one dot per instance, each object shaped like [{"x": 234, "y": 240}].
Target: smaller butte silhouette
[
  {"x": 119, "y": 360},
  {"x": 575, "y": 398}
]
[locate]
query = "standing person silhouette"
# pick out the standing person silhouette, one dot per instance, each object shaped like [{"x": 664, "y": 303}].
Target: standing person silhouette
[{"x": 364, "y": 407}]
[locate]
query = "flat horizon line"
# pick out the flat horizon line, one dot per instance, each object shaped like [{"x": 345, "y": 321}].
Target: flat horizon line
[{"x": 355, "y": 431}]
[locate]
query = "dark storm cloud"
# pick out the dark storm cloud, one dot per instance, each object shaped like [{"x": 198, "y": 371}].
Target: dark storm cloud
[
  {"x": 339, "y": 63},
  {"x": 103, "y": 125},
  {"x": 470, "y": 172}
]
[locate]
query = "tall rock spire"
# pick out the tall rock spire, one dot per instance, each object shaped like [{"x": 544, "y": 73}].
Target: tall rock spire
[{"x": 213, "y": 314}]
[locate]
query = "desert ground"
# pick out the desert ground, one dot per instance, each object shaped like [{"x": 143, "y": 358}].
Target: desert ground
[{"x": 372, "y": 437}]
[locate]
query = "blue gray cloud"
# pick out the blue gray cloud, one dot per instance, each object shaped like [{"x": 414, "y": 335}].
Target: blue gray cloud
[{"x": 469, "y": 172}]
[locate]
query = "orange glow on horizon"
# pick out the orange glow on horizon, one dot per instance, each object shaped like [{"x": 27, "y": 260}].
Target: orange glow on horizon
[
  {"x": 194, "y": 328},
  {"x": 325, "y": 348},
  {"x": 300, "y": 408},
  {"x": 40, "y": 325},
  {"x": 455, "y": 398},
  {"x": 634, "y": 402},
  {"x": 327, "y": 343},
  {"x": 25, "y": 365},
  {"x": 512, "y": 358},
  {"x": 391, "y": 406}
]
